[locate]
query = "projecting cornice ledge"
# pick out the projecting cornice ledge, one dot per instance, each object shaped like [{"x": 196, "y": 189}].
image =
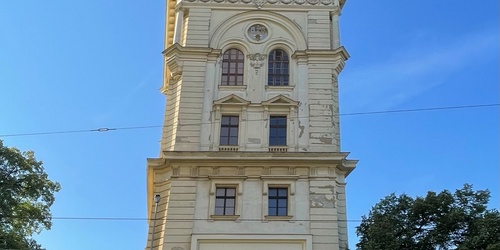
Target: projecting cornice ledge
[
  {"x": 320, "y": 53},
  {"x": 176, "y": 49},
  {"x": 258, "y": 158},
  {"x": 348, "y": 166}
]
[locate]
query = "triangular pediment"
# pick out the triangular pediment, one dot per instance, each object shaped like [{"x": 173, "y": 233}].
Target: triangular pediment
[
  {"x": 231, "y": 100},
  {"x": 280, "y": 100}
]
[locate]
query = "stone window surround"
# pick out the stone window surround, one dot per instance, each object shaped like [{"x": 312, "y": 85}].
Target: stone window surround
[
  {"x": 222, "y": 183},
  {"x": 285, "y": 182}
]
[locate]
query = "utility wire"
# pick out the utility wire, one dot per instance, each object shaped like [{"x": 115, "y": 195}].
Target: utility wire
[
  {"x": 167, "y": 219},
  {"x": 264, "y": 119}
]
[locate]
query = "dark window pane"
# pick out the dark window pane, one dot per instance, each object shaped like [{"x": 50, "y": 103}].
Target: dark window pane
[
  {"x": 229, "y": 202},
  {"x": 272, "y": 211},
  {"x": 229, "y": 211},
  {"x": 282, "y": 203},
  {"x": 283, "y": 192},
  {"x": 224, "y": 140},
  {"x": 273, "y": 192},
  {"x": 219, "y": 202},
  {"x": 281, "y": 212},
  {"x": 233, "y": 131},
  {"x": 231, "y": 192},
  {"x": 219, "y": 211},
  {"x": 272, "y": 203},
  {"x": 233, "y": 141}
]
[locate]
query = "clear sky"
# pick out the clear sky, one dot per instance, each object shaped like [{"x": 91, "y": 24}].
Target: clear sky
[{"x": 83, "y": 65}]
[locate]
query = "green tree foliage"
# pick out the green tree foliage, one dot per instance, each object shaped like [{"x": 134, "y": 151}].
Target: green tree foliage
[
  {"x": 26, "y": 195},
  {"x": 442, "y": 220}
]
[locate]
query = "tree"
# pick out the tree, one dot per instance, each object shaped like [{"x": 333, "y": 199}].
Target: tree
[
  {"x": 442, "y": 220},
  {"x": 26, "y": 195}
]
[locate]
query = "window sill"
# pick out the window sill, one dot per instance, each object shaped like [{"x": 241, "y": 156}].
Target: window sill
[
  {"x": 279, "y": 88},
  {"x": 224, "y": 217},
  {"x": 273, "y": 217},
  {"x": 232, "y": 87}
]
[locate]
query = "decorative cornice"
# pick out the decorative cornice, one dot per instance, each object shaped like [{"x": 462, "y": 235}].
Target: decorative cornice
[{"x": 260, "y": 3}]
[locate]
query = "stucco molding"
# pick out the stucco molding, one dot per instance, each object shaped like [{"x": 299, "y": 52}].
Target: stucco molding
[{"x": 219, "y": 37}]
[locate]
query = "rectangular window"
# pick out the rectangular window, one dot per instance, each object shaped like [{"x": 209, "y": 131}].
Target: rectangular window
[
  {"x": 225, "y": 198},
  {"x": 277, "y": 131},
  {"x": 278, "y": 201},
  {"x": 229, "y": 130}
]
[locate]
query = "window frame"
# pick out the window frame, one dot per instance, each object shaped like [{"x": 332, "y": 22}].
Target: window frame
[
  {"x": 225, "y": 198},
  {"x": 281, "y": 194},
  {"x": 229, "y": 126},
  {"x": 273, "y": 136},
  {"x": 270, "y": 181},
  {"x": 283, "y": 64},
  {"x": 239, "y": 68},
  {"x": 217, "y": 182}
]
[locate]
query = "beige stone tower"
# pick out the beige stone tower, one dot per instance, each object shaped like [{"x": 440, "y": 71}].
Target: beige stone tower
[{"x": 250, "y": 152}]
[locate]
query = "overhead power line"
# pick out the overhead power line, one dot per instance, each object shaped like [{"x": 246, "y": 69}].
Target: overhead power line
[
  {"x": 163, "y": 218},
  {"x": 198, "y": 123}
]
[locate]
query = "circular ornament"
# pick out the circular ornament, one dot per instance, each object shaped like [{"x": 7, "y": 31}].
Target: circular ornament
[
  {"x": 257, "y": 32},
  {"x": 299, "y": 1},
  {"x": 326, "y": 2},
  {"x": 232, "y": 1},
  {"x": 272, "y": 1},
  {"x": 286, "y": 1},
  {"x": 246, "y": 1},
  {"x": 313, "y": 2}
]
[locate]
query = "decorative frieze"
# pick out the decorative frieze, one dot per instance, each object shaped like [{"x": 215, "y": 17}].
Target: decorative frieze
[{"x": 260, "y": 3}]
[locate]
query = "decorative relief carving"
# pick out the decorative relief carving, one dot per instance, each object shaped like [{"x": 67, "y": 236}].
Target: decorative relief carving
[
  {"x": 261, "y": 3},
  {"x": 257, "y": 32},
  {"x": 257, "y": 61}
]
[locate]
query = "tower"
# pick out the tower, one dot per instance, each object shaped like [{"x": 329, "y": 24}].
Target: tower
[{"x": 250, "y": 151}]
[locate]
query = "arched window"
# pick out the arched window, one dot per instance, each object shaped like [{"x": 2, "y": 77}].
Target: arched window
[
  {"x": 232, "y": 67},
  {"x": 278, "y": 68}
]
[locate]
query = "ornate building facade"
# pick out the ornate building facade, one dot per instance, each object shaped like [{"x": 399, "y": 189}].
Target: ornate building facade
[{"x": 250, "y": 151}]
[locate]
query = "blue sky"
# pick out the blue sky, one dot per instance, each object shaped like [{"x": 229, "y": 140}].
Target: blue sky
[{"x": 82, "y": 65}]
